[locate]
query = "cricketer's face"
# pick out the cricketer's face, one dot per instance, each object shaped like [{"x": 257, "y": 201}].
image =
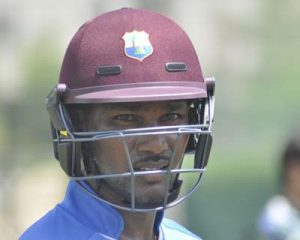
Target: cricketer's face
[{"x": 147, "y": 153}]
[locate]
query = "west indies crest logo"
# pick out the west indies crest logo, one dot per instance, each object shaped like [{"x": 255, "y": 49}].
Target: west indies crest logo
[{"x": 137, "y": 45}]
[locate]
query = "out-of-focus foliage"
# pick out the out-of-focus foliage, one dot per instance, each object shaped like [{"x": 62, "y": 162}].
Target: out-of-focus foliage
[
  {"x": 251, "y": 130},
  {"x": 26, "y": 119}
]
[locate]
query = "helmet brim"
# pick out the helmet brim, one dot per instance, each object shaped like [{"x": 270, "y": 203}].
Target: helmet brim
[{"x": 137, "y": 92}]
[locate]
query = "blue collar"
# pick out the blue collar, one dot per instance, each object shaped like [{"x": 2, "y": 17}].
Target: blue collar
[{"x": 96, "y": 215}]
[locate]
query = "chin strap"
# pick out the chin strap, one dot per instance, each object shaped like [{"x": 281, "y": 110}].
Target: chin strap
[{"x": 174, "y": 193}]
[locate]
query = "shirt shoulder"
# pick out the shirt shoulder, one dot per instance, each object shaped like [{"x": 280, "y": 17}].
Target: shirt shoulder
[
  {"x": 57, "y": 224},
  {"x": 172, "y": 230},
  {"x": 278, "y": 218}
]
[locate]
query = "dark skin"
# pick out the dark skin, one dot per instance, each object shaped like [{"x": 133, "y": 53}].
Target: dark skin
[
  {"x": 146, "y": 153},
  {"x": 291, "y": 185}
]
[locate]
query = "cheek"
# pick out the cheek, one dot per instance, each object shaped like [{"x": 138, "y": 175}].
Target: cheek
[
  {"x": 180, "y": 152},
  {"x": 179, "y": 142},
  {"x": 111, "y": 156},
  {"x": 171, "y": 140}
]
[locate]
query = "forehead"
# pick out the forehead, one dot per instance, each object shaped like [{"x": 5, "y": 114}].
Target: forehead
[{"x": 142, "y": 106}]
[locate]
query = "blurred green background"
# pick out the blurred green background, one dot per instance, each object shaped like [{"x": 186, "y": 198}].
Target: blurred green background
[{"x": 251, "y": 47}]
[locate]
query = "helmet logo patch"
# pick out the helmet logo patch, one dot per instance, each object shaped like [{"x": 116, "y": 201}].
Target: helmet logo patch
[{"x": 137, "y": 45}]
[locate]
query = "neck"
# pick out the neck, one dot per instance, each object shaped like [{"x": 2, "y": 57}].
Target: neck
[
  {"x": 138, "y": 225},
  {"x": 293, "y": 195}
]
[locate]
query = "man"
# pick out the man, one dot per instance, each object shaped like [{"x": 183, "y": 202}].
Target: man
[
  {"x": 131, "y": 101},
  {"x": 280, "y": 219}
]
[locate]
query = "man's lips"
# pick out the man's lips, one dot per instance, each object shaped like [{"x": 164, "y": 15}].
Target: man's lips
[{"x": 151, "y": 166}]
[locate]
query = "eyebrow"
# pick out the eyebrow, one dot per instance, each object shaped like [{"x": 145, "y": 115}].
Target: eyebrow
[
  {"x": 140, "y": 107},
  {"x": 173, "y": 106}
]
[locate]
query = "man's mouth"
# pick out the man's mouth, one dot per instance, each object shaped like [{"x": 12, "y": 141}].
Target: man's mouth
[
  {"x": 149, "y": 169},
  {"x": 151, "y": 166},
  {"x": 156, "y": 176}
]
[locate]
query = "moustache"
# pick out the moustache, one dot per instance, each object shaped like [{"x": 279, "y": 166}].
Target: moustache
[{"x": 166, "y": 157}]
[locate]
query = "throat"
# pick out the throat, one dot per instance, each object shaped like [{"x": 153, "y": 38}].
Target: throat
[{"x": 138, "y": 226}]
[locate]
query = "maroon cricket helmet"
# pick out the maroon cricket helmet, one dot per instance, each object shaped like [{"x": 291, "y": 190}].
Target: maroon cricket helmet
[{"x": 131, "y": 55}]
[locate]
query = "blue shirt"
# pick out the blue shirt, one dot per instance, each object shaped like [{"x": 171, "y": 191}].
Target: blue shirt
[{"x": 82, "y": 217}]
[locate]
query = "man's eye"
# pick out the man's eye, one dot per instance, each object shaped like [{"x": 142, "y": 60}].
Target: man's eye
[
  {"x": 127, "y": 118},
  {"x": 172, "y": 117}
]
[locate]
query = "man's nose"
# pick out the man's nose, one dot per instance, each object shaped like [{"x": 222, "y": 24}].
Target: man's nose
[{"x": 154, "y": 144}]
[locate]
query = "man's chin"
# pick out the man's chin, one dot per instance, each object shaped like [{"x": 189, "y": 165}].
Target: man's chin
[
  {"x": 149, "y": 205},
  {"x": 150, "y": 200},
  {"x": 148, "y": 194},
  {"x": 146, "y": 204}
]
